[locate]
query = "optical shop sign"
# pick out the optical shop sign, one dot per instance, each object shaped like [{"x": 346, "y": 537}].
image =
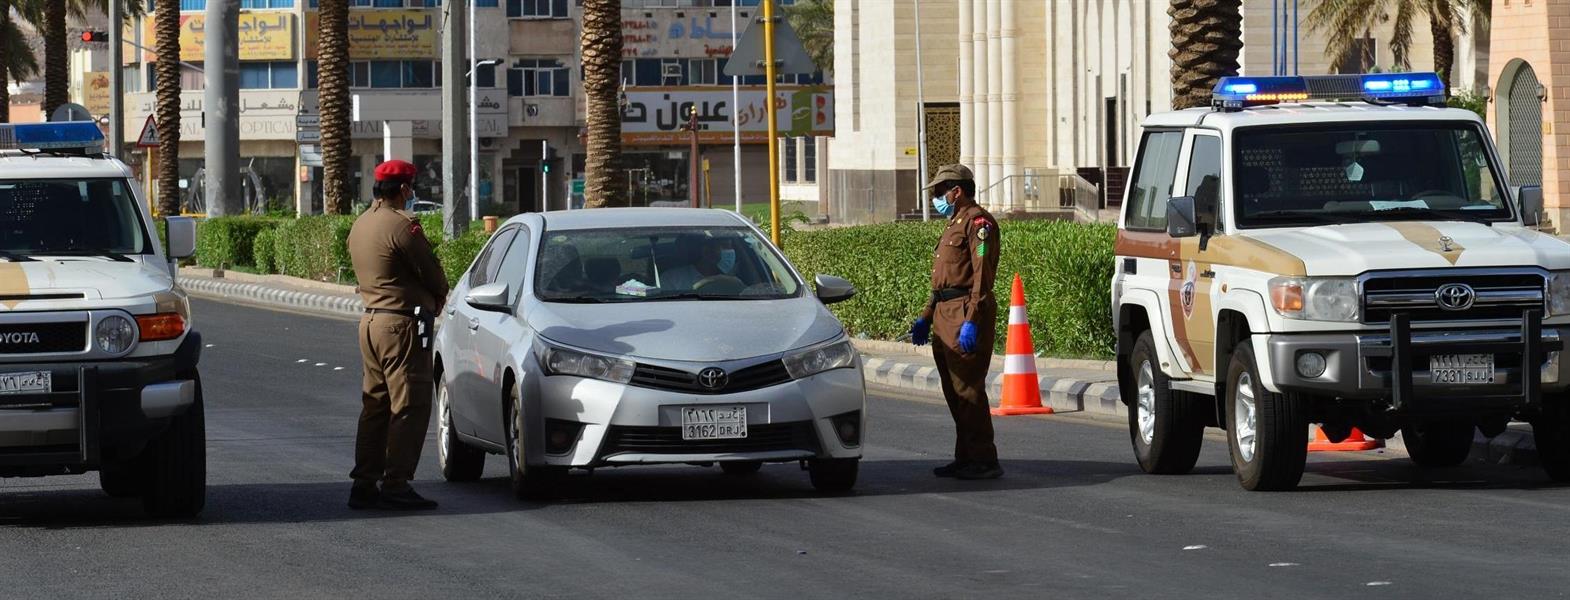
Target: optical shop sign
[{"x": 656, "y": 115}]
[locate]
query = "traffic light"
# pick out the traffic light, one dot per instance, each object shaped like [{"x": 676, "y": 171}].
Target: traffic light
[
  {"x": 545, "y": 167},
  {"x": 95, "y": 36}
]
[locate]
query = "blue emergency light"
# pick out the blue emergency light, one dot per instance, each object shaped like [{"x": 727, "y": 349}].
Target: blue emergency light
[
  {"x": 1236, "y": 93},
  {"x": 81, "y": 136}
]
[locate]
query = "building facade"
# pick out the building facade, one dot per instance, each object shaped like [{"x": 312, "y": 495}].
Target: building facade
[{"x": 1527, "y": 110}]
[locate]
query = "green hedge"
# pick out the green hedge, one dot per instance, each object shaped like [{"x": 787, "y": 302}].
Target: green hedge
[
  {"x": 314, "y": 247},
  {"x": 264, "y": 251},
  {"x": 460, "y": 252},
  {"x": 224, "y": 242}
]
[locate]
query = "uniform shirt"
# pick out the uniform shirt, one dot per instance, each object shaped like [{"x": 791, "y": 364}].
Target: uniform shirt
[
  {"x": 394, "y": 263},
  {"x": 967, "y": 256}
]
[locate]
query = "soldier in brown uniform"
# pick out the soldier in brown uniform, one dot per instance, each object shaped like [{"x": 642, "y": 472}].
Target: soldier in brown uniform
[
  {"x": 403, "y": 287},
  {"x": 961, "y": 317}
]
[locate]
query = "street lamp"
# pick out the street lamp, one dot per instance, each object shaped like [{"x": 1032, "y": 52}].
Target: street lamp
[{"x": 474, "y": 128}]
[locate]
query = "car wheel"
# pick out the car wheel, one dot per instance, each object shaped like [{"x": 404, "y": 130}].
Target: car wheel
[
  {"x": 1167, "y": 427},
  {"x": 121, "y": 479},
  {"x": 741, "y": 468},
  {"x": 833, "y": 475},
  {"x": 175, "y": 482},
  {"x": 459, "y": 461},
  {"x": 1551, "y": 435},
  {"x": 1268, "y": 432},
  {"x": 528, "y": 482},
  {"x": 1439, "y": 443}
]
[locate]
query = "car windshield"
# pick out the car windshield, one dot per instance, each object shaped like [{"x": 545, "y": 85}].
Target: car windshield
[
  {"x": 646, "y": 265},
  {"x": 70, "y": 217},
  {"x": 1374, "y": 172}
]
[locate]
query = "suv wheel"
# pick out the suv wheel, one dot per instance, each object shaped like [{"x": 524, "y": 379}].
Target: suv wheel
[
  {"x": 175, "y": 482},
  {"x": 1551, "y": 434},
  {"x": 1166, "y": 426},
  {"x": 1438, "y": 443},
  {"x": 1268, "y": 432},
  {"x": 833, "y": 475},
  {"x": 528, "y": 482},
  {"x": 459, "y": 461}
]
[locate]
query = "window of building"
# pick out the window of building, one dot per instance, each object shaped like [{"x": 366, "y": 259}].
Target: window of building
[
  {"x": 790, "y": 158},
  {"x": 485, "y": 76},
  {"x": 702, "y": 71},
  {"x": 266, "y": 4},
  {"x": 542, "y": 77},
  {"x": 314, "y": 4},
  {"x": 387, "y": 74},
  {"x": 537, "y": 9},
  {"x": 269, "y": 75},
  {"x": 809, "y": 160},
  {"x": 190, "y": 79},
  {"x": 131, "y": 78}
]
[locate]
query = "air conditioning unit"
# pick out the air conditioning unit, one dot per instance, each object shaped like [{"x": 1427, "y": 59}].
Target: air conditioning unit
[{"x": 673, "y": 70}]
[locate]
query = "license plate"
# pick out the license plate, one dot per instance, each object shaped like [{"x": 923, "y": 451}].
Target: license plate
[
  {"x": 30, "y": 382},
  {"x": 1462, "y": 369},
  {"x": 713, "y": 422}
]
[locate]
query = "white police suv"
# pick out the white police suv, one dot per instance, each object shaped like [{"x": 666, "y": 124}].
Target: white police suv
[{"x": 98, "y": 360}]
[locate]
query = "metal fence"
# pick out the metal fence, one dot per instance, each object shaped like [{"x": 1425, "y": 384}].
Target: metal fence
[{"x": 1038, "y": 193}]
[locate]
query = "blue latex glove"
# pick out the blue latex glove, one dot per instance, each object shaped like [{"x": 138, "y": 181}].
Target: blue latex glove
[
  {"x": 919, "y": 332},
  {"x": 967, "y": 337}
]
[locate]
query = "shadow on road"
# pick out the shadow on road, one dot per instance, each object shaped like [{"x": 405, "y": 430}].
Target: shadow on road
[{"x": 1382, "y": 475}]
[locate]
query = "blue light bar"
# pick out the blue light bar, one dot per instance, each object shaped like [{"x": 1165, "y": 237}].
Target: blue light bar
[
  {"x": 74, "y": 135},
  {"x": 1234, "y": 93},
  {"x": 1402, "y": 85}
]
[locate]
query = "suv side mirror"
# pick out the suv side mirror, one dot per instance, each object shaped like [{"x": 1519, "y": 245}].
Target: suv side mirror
[
  {"x": 491, "y": 297},
  {"x": 833, "y": 289},
  {"x": 1531, "y": 205},
  {"x": 1182, "y": 217},
  {"x": 180, "y": 237}
]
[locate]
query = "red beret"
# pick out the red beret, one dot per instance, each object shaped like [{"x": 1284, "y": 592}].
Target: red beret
[{"x": 395, "y": 171}]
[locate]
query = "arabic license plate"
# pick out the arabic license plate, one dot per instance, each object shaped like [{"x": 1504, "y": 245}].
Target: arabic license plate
[
  {"x": 713, "y": 422},
  {"x": 29, "y": 382},
  {"x": 1461, "y": 369}
]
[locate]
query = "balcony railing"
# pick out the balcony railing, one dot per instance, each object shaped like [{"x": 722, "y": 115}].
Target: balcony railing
[{"x": 1038, "y": 193}]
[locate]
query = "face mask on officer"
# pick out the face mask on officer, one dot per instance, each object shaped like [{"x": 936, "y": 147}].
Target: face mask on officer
[
  {"x": 727, "y": 261},
  {"x": 941, "y": 204}
]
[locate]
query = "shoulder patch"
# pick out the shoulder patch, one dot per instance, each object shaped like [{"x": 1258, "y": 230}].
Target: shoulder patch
[{"x": 414, "y": 228}]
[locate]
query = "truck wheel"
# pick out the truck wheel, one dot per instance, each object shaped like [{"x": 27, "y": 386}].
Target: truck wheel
[
  {"x": 1438, "y": 444},
  {"x": 833, "y": 475},
  {"x": 1166, "y": 426},
  {"x": 121, "y": 479},
  {"x": 459, "y": 461},
  {"x": 176, "y": 465},
  {"x": 528, "y": 482},
  {"x": 1268, "y": 432},
  {"x": 1551, "y": 435}
]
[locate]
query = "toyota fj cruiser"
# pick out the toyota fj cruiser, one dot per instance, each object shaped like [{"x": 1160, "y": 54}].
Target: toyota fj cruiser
[
  {"x": 98, "y": 361},
  {"x": 1343, "y": 251}
]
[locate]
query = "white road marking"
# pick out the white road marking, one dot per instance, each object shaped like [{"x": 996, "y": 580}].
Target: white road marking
[{"x": 1196, "y": 547}]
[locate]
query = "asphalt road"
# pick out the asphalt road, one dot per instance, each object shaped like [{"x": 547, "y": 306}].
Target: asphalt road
[{"x": 1074, "y": 518}]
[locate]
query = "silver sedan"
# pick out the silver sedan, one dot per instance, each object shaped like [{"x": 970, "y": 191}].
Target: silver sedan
[{"x": 613, "y": 337}]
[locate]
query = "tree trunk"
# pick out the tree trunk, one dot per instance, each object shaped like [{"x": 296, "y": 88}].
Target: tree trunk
[
  {"x": 1206, "y": 38},
  {"x": 333, "y": 88},
  {"x": 1441, "y": 18},
  {"x": 57, "y": 74},
  {"x": 5, "y": 64},
  {"x": 166, "y": 35},
  {"x": 605, "y": 182}
]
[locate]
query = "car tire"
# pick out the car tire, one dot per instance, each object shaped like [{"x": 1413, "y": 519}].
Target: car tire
[
  {"x": 528, "y": 482},
  {"x": 458, "y": 460},
  {"x": 741, "y": 468},
  {"x": 1438, "y": 444},
  {"x": 1267, "y": 432},
  {"x": 834, "y": 475},
  {"x": 175, "y": 484},
  {"x": 121, "y": 479},
  {"x": 1166, "y": 427},
  {"x": 1551, "y": 435}
]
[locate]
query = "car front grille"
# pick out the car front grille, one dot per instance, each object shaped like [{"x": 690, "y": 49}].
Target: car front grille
[
  {"x": 43, "y": 338},
  {"x": 755, "y": 377},
  {"x": 667, "y": 440},
  {"x": 1498, "y": 295}
]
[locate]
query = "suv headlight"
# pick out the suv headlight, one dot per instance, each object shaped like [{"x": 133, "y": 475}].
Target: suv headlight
[
  {"x": 839, "y": 355},
  {"x": 1559, "y": 293},
  {"x": 1316, "y": 298},
  {"x": 559, "y": 361},
  {"x": 114, "y": 335}
]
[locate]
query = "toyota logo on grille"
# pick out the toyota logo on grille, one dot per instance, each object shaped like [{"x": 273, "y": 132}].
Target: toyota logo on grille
[
  {"x": 713, "y": 378},
  {"x": 1455, "y": 296}
]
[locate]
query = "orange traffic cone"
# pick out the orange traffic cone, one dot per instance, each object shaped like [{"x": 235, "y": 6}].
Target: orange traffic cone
[
  {"x": 1021, "y": 388},
  {"x": 1354, "y": 442}
]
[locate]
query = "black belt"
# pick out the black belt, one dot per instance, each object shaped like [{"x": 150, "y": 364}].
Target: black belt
[
  {"x": 946, "y": 294},
  {"x": 390, "y": 311}
]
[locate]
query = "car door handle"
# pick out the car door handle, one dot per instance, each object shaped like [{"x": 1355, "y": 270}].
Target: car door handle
[{"x": 474, "y": 324}]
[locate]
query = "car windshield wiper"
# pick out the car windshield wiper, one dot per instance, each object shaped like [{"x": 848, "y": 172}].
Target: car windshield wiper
[
  {"x": 109, "y": 254},
  {"x": 1409, "y": 212},
  {"x": 579, "y": 300},
  {"x": 14, "y": 257},
  {"x": 689, "y": 296},
  {"x": 1302, "y": 215}
]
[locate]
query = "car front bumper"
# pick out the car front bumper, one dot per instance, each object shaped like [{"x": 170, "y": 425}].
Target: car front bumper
[{"x": 597, "y": 423}]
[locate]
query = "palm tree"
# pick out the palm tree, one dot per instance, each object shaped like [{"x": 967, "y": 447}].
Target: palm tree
[
  {"x": 1206, "y": 38},
  {"x": 813, "y": 21},
  {"x": 333, "y": 74},
  {"x": 52, "y": 18},
  {"x": 604, "y": 182},
  {"x": 17, "y": 61},
  {"x": 1341, "y": 21},
  {"x": 166, "y": 35}
]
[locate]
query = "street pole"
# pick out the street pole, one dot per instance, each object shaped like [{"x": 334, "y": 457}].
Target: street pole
[
  {"x": 221, "y": 104},
  {"x": 545, "y": 186},
  {"x": 735, "y": 115},
  {"x": 116, "y": 80},
  {"x": 921, "y": 124},
  {"x": 456, "y": 214},
  {"x": 474, "y": 120},
  {"x": 774, "y": 142}
]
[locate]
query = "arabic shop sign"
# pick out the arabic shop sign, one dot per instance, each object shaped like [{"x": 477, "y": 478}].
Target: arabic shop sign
[
  {"x": 95, "y": 92},
  {"x": 656, "y": 115},
  {"x": 263, "y": 36},
  {"x": 382, "y": 34},
  {"x": 665, "y": 33},
  {"x": 264, "y": 114}
]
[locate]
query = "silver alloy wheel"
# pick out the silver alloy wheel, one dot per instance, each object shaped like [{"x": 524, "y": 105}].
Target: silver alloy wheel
[
  {"x": 1146, "y": 391},
  {"x": 443, "y": 424},
  {"x": 1243, "y": 417}
]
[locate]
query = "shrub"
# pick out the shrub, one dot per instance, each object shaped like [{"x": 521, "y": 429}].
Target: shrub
[
  {"x": 315, "y": 248},
  {"x": 264, "y": 251},
  {"x": 227, "y": 241},
  {"x": 458, "y": 254}
]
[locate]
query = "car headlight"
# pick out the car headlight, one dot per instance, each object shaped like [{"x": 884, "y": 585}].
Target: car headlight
[
  {"x": 1316, "y": 298},
  {"x": 838, "y": 355},
  {"x": 558, "y": 361},
  {"x": 1559, "y": 293},
  {"x": 114, "y": 335}
]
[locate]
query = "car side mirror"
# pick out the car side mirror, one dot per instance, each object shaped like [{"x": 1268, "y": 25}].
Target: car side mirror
[
  {"x": 180, "y": 237},
  {"x": 1531, "y": 205},
  {"x": 1182, "y": 217},
  {"x": 492, "y": 297},
  {"x": 833, "y": 289}
]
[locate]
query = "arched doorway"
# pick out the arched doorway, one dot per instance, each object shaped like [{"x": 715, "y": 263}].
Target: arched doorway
[{"x": 1520, "y": 115}]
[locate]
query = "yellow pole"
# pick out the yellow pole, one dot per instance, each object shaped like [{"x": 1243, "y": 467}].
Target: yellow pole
[
  {"x": 774, "y": 144},
  {"x": 708, "y": 192}
]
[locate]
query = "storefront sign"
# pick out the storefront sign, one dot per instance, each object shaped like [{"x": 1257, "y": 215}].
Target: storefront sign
[
  {"x": 95, "y": 92},
  {"x": 264, "y": 114},
  {"x": 263, "y": 36},
  {"x": 382, "y": 34},
  {"x": 673, "y": 32},
  {"x": 656, "y": 115}
]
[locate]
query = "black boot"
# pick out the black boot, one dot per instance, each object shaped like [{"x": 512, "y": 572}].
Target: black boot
[
  {"x": 363, "y": 496},
  {"x": 977, "y": 471},
  {"x": 949, "y": 470},
  {"x": 405, "y": 499}
]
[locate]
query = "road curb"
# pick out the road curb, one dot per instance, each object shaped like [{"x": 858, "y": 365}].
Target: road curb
[
  {"x": 1063, "y": 394},
  {"x": 273, "y": 296}
]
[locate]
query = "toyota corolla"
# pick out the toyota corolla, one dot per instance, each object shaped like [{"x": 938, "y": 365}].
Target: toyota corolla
[{"x": 615, "y": 337}]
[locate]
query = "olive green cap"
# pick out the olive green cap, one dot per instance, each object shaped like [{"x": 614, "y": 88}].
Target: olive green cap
[{"x": 950, "y": 173}]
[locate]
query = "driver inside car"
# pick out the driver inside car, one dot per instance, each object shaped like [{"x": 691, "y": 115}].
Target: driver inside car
[{"x": 710, "y": 259}]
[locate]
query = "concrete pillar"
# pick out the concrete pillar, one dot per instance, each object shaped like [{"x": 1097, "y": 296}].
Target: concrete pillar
[
  {"x": 995, "y": 102},
  {"x": 456, "y": 204},
  {"x": 967, "y": 125},
  {"x": 398, "y": 140},
  {"x": 221, "y": 104},
  {"x": 1007, "y": 42},
  {"x": 979, "y": 106}
]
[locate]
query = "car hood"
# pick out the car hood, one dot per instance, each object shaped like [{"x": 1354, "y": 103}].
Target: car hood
[
  {"x": 91, "y": 277},
  {"x": 691, "y": 331},
  {"x": 1344, "y": 250}
]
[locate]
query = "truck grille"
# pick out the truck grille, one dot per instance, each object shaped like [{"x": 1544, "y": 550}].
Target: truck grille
[
  {"x": 1494, "y": 295},
  {"x": 667, "y": 440},
  {"x": 42, "y": 338},
  {"x": 742, "y": 380}
]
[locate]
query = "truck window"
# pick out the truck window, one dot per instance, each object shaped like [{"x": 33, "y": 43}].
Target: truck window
[
  {"x": 1204, "y": 171},
  {"x": 1153, "y": 177},
  {"x": 70, "y": 216}
]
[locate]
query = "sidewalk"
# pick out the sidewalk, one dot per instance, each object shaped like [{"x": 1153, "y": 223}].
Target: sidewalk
[{"x": 1068, "y": 386}]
